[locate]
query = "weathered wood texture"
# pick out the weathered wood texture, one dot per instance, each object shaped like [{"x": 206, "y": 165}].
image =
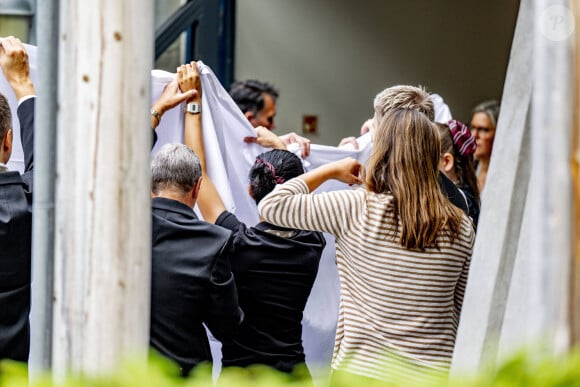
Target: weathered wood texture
[
  {"x": 551, "y": 188},
  {"x": 502, "y": 210},
  {"x": 575, "y": 166},
  {"x": 103, "y": 242},
  {"x": 518, "y": 291}
]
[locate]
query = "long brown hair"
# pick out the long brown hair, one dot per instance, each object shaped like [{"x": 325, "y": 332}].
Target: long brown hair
[{"x": 404, "y": 162}]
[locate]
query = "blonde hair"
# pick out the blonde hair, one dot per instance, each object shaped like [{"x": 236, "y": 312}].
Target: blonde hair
[
  {"x": 406, "y": 151},
  {"x": 403, "y": 97}
]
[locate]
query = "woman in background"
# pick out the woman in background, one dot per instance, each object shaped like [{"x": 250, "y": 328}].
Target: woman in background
[{"x": 483, "y": 124}]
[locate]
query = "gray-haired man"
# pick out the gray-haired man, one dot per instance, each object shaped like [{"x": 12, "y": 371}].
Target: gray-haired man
[{"x": 191, "y": 278}]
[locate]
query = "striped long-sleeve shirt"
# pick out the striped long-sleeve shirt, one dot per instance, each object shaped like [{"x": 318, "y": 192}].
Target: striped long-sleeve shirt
[{"x": 401, "y": 303}]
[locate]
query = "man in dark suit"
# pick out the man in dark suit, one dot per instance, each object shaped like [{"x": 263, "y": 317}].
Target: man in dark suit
[
  {"x": 191, "y": 278},
  {"x": 15, "y": 206}
]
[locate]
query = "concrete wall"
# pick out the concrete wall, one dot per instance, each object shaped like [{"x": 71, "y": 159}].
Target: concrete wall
[{"x": 330, "y": 57}]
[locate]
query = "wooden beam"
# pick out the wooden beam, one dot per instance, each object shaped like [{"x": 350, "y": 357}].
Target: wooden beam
[
  {"x": 503, "y": 203},
  {"x": 103, "y": 208},
  {"x": 575, "y": 168}
]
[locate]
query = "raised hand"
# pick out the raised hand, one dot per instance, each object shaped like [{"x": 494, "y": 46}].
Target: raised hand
[
  {"x": 346, "y": 170},
  {"x": 349, "y": 140},
  {"x": 266, "y": 138},
  {"x": 14, "y": 64},
  {"x": 170, "y": 98},
  {"x": 304, "y": 143},
  {"x": 189, "y": 79}
]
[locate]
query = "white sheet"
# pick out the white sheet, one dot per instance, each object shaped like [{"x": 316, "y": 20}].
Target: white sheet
[{"x": 229, "y": 160}]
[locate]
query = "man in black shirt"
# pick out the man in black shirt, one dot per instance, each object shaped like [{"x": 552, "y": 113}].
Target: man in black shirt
[{"x": 191, "y": 278}]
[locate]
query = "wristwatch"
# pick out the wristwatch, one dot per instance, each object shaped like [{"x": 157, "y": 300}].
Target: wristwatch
[
  {"x": 193, "y": 108},
  {"x": 156, "y": 114}
]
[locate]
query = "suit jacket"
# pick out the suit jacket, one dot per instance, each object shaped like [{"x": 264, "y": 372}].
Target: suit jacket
[
  {"x": 191, "y": 284},
  {"x": 15, "y": 246}
]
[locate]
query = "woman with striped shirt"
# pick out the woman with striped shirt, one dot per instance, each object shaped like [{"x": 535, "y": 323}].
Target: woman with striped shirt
[{"x": 403, "y": 251}]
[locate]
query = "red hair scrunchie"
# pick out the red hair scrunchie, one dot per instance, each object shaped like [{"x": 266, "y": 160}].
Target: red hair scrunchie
[
  {"x": 277, "y": 179},
  {"x": 462, "y": 137}
]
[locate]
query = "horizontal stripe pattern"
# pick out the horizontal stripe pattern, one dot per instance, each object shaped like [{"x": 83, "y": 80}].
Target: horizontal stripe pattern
[{"x": 397, "y": 306}]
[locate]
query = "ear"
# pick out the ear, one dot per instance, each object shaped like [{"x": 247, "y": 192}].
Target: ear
[
  {"x": 195, "y": 190},
  {"x": 250, "y": 191},
  {"x": 249, "y": 115},
  {"x": 448, "y": 162},
  {"x": 6, "y": 145}
]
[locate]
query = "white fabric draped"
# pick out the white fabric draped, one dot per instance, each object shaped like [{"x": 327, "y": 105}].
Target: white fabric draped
[{"x": 229, "y": 160}]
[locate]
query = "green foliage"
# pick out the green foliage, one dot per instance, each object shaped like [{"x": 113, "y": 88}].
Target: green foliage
[
  {"x": 525, "y": 369},
  {"x": 528, "y": 369}
]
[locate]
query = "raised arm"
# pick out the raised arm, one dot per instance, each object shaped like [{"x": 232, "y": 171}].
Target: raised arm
[
  {"x": 14, "y": 64},
  {"x": 209, "y": 201},
  {"x": 169, "y": 98},
  {"x": 266, "y": 138},
  {"x": 292, "y": 205},
  {"x": 346, "y": 170}
]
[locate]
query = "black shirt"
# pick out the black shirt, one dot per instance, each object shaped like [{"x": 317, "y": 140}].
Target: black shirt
[
  {"x": 452, "y": 192},
  {"x": 191, "y": 284},
  {"x": 472, "y": 202},
  {"x": 274, "y": 269}
]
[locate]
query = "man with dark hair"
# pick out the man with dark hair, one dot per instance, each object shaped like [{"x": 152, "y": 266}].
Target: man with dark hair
[
  {"x": 257, "y": 100},
  {"x": 15, "y": 206}
]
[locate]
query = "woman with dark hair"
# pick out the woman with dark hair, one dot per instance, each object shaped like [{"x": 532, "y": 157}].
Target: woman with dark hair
[
  {"x": 457, "y": 147},
  {"x": 402, "y": 250},
  {"x": 274, "y": 267}
]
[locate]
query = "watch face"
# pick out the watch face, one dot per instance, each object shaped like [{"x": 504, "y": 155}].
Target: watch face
[{"x": 193, "y": 108}]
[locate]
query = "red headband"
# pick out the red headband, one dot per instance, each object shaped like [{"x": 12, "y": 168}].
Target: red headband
[{"x": 462, "y": 137}]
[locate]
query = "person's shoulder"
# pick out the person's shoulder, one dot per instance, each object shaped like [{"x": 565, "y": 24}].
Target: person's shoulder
[
  {"x": 467, "y": 230},
  {"x": 26, "y": 105},
  {"x": 230, "y": 221},
  {"x": 218, "y": 230},
  {"x": 9, "y": 178},
  {"x": 453, "y": 193},
  {"x": 384, "y": 198},
  {"x": 315, "y": 238}
]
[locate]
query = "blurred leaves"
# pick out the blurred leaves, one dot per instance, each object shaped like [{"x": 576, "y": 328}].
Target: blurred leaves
[{"x": 529, "y": 369}]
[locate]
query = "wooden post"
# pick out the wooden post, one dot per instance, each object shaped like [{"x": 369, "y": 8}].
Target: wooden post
[
  {"x": 518, "y": 286},
  {"x": 503, "y": 203},
  {"x": 575, "y": 167},
  {"x": 103, "y": 219},
  {"x": 551, "y": 188}
]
